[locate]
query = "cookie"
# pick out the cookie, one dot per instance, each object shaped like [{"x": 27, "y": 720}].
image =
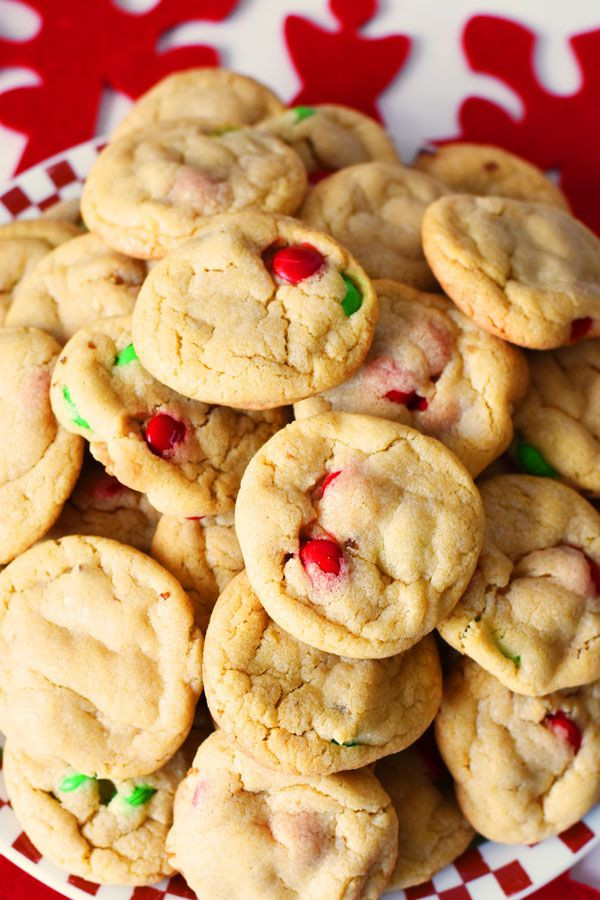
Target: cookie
[
  {"x": 531, "y": 614},
  {"x": 287, "y": 835},
  {"x": 76, "y": 284},
  {"x": 257, "y": 312},
  {"x": 187, "y": 457},
  {"x": 487, "y": 170},
  {"x": 328, "y": 137},
  {"x": 203, "y": 554},
  {"x": 106, "y": 832},
  {"x": 375, "y": 210},
  {"x": 101, "y": 505},
  {"x": 295, "y": 708},
  {"x": 64, "y": 211},
  {"x": 22, "y": 245},
  {"x": 526, "y": 272},
  {"x": 558, "y": 422},
  {"x": 154, "y": 188},
  {"x": 526, "y": 768},
  {"x": 358, "y": 534},
  {"x": 432, "y": 368},
  {"x": 100, "y": 661},
  {"x": 39, "y": 460},
  {"x": 432, "y": 831},
  {"x": 221, "y": 99}
]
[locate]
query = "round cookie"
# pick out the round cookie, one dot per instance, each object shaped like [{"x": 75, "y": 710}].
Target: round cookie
[
  {"x": 79, "y": 282},
  {"x": 432, "y": 368},
  {"x": 105, "y": 832},
  {"x": 64, "y": 211},
  {"x": 203, "y": 554},
  {"x": 432, "y": 831},
  {"x": 101, "y": 505},
  {"x": 358, "y": 534},
  {"x": 39, "y": 460},
  {"x": 290, "y": 836},
  {"x": 328, "y": 137},
  {"x": 526, "y": 768},
  {"x": 155, "y": 188},
  {"x": 558, "y": 422},
  {"x": 531, "y": 614},
  {"x": 220, "y": 98},
  {"x": 257, "y": 312},
  {"x": 22, "y": 245},
  {"x": 187, "y": 457},
  {"x": 100, "y": 661},
  {"x": 526, "y": 272},
  {"x": 486, "y": 170},
  {"x": 295, "y": 708},
  {"x": 375, "y": 210}
]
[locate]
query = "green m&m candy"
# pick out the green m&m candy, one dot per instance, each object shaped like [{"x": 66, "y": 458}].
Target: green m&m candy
[
  {"x": 303, "y": 112},
  {"x": 74, "y": 781},
  {"x": 352, "y": 298},
  {"x": 531, "y": 460},
  {"x": 74, "y": 412},
  {"x": 140, "y": 795},
  {"x": 126, "y": 355}
]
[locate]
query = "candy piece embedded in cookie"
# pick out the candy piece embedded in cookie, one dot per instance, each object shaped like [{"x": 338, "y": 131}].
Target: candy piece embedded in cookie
[
  {"x": 298, "y": 709},
  {"x": 486, "y": 170},
  {"x": 526, "y": 768},
  {"x": 187, "y": 457},
  {"x": 558, "y": 422},
  {"x": 288, "y": 835},
  {"x": 375, "y": 210},
  {"x": 203, "y": 554},
  {"x": 106, "y": 832},
  {"x": 433, "y": 368},
  {"x": 432, "y": 831},
  {"x": 531, "y": 614},
  {"x": 76, "y": 284},
  {"x": 22, "y": 245},
  {"x": 526, "y": 272},
  {"x": 257, "y": 312},
  {"x": 101, "y": 505},
  {"x": 219, "y": 98},
  {"x": 39, "y": 460},
  {"x": 358, "y": 534},
  {"x": 328, "y": 137},
  {"x": 100, "y": 660},
  {"x": 154, "y": 188}
]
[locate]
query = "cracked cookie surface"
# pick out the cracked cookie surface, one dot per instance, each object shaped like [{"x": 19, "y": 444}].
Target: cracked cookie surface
[
  {"x": 526, "y": 768},
  {"x": 432, "y": 831},
  {"x": 298, "y": 709},
  {"x": 155, "y": 188},
  {"x": 487, "y": 170},
  {"x": 39, "y": 460},
  {"x": 218, "y": 97},
  {"x": 434, "y": 369},
  {"x": 290, "y": 836},
  {"x": 560, "y": 415},
  {"x": 76, "y": 284},
  {"x": 258, "y": 311},
  {"x": 106, "y": 832},
  {"x": 22, "y": 245},
  {"x": 328, "y": 137},
  {"x": 375, "y": 210},
  {"x": 526, "y": 272},
  {"x": 359, "y": 534},
  {"x": 108, "y": 685},
  {"x": 531, "y": 614},
  {"x": 203, "y": 555},
  {"x": 186, "y": 456}
]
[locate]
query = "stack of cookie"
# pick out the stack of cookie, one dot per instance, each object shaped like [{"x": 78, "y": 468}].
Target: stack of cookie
[{"x": 284, "y": 418}]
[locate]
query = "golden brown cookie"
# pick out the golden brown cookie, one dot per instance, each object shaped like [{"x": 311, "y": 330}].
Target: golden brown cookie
[
  {"x": 358, "y": 534},
  {"x": 258, "y": 311}
]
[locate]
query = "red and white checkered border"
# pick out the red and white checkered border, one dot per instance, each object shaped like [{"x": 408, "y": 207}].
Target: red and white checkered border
[{"x": 488, "y": 872}]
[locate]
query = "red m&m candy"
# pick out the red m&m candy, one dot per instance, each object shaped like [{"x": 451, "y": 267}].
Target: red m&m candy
[
  {"x": 410, "y": 399},
  {"x": 163, "y": 432},
  {"x": 580, "y": 327},
  {"x": 322, "y": 553},
  {"x": 564, "y": 727},
  {"x": 321, "y": 488},
  {"x": 295, "y": 263}
]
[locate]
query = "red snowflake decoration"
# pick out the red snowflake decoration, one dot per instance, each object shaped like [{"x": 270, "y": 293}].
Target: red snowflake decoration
[
  {"x": 343, "y": 66},
  {"x": 554, "y": 132},
  {"x": 82, "y": 46}
]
